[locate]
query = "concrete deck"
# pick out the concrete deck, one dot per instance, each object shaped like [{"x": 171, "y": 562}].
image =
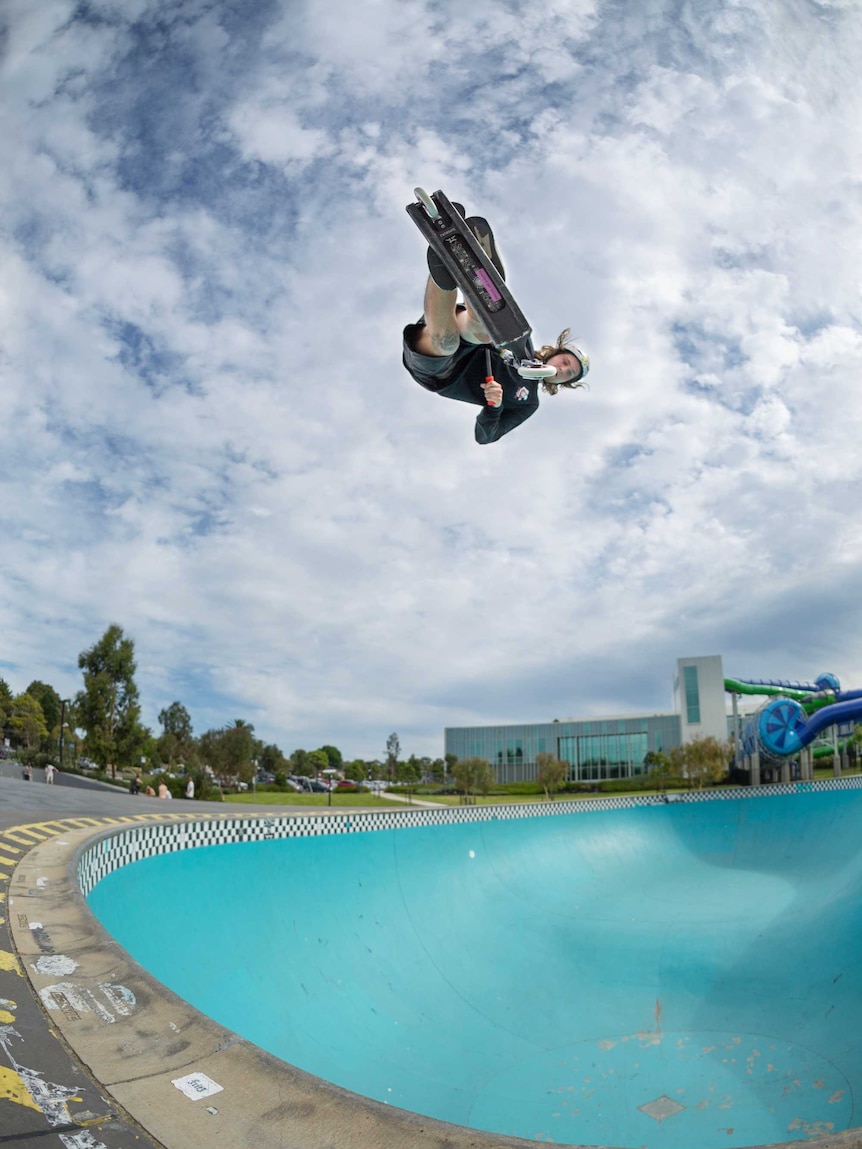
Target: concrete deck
[{"x": 96, "y": 1071}]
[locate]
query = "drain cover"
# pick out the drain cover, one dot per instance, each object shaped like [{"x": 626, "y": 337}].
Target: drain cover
[{"x": 662, "y": 1108}]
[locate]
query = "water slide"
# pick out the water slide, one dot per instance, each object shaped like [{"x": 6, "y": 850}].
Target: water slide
[{"x": 796, "y": 713}]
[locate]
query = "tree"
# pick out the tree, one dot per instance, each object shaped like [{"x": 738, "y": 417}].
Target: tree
[
  {"x": 49, "y": 700},
  {"x": 356, "y": 770},
  {"x": 177, "y": 740},
  {"x": 316, "y": 761},
  {"x": 237, "y": 747},
  {"x": 107, "y": 708},
  {"x": 5, "y": 704},
  {"x": 26, "y": 721},
  {"x": 703, "y": 760},
  {"x": 551, "y": 773},
  {"x": 210, "y": 750},
  {"x": 271, "y": 759},
  {"x": 334, "y": 757},
  {"x": 473, "y": 774},
  {"x": 438, "y": 770},
  {"x": 410, "y": 773},
  {"x": 393, "y": 752},
  {"x": 299, "y": 764},
  {"x": 662, "y": 770},
  {"x": 449, "y": 763}
]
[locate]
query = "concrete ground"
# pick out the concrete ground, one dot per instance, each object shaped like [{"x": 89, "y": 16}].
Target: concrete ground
[{"x": 70, "y": 1109}]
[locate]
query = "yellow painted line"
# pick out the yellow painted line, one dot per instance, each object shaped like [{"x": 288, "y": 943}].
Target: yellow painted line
[
  {"x": 8, "y": 861},
  {"x": 13, "y": 1089},
  {"x": 24, "y": 836},
  {"x": 9, "y": 849},
  {"x": 4, "y": 877},
  {"x": 9, "y": 963}
]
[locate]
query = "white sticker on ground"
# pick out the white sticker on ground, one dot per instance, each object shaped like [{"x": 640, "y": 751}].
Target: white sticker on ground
[
  {"x": 82, "y": 1140},
  {"x": 56, "y": 964},
  {"x": 41, "y": 883},
  {"x": 121, "y": 998},
  {"x": 35, "y": 925},
  {"x": 66, "y": 994},
  {"x": 197, "y": 1085}
]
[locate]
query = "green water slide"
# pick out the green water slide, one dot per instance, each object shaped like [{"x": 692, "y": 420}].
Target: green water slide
[{"x": 804, "y": 697}]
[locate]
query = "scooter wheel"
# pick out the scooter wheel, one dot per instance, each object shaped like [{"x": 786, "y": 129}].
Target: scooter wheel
[{"x": 427, "y": 202}]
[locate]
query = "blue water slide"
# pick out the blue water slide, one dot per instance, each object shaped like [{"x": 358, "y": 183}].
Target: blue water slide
[{"x": 782, "y": 727}]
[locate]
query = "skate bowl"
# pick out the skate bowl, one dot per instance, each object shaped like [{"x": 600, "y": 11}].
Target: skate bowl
[{"x": 659, "y": 975}]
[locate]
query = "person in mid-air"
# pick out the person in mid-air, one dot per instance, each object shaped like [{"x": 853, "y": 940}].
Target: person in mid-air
[{"x": 445, "y": 352}]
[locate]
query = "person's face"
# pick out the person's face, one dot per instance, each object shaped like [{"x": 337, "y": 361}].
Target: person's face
[{"x": 567, "y": 365}]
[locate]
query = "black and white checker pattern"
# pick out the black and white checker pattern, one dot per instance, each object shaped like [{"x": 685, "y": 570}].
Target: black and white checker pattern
[{"x": 143, "y": 841}]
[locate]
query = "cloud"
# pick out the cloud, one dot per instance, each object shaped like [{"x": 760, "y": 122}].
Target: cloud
[{"x": 208, "y": 434}]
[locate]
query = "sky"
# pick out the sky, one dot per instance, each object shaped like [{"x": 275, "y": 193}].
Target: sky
[{"x": 206, "y": 432}]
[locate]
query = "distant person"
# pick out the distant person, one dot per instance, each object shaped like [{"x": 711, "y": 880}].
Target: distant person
[
  {"x": 135, "y": 785},
  {"x": 28, "y": 773},
  {"x": 49, "y": 774},
  {"x": 149, "y": 792},
  {"x": 163, "y": 790},
  {"x": 190, "y": 788}
]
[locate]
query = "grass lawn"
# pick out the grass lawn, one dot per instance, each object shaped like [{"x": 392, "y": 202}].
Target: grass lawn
[
  {"x": 274, "y": 798},
  {"x": 507, "y": 799},
  {"x": 372, "y": 801}
]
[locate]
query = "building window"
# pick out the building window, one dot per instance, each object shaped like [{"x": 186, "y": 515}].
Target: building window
[
  {"x": 594, "y": 757},
  {"x": 692, "y": 696}
]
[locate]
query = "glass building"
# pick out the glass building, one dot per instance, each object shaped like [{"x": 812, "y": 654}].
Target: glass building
[{"x": 595, "y": 748}]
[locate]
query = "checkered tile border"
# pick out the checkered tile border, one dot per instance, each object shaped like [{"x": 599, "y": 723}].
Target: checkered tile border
[{"x": 143, "y": 841}]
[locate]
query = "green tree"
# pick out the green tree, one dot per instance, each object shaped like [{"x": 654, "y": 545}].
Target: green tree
[
  {"x": 177, "y": 739},
  {"x": 5, "y": 705},
  {"x": 237, "y": 751},
  {"x": 210, "y": 751},
  {"x": 701, "y": 761},
  {"x": 334, "y": 757},
  {"x": 316, "y": 761},
  {"x": 26, "y": 721},
  {"x": 449, "y": 763},
  {"x": 299, "y": 764},
  {"x": 472, "y": 775},
  {"x": 357, "y": 770},
  {"x": 271, "y": 759},
  {"x": 107, "y": 708},
  {"x": 393, "y": 753},
  {"x": 551, "y": 773},
  {"x": 49, "y": 700}
]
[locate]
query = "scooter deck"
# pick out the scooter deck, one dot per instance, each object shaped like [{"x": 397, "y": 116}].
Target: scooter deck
[{"x": 472, "y": 270}]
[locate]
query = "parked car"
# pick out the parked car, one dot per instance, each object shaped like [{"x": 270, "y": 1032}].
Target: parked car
[{"x": 346, "y": 784}]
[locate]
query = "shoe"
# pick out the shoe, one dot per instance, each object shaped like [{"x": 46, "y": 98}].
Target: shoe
[
  {"x": 482, "y": 231},
  {"x": 437, "y": 268}
]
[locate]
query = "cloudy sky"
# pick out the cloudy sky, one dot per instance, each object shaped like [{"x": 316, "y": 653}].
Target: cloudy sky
[{"x": 207, "y": 433}]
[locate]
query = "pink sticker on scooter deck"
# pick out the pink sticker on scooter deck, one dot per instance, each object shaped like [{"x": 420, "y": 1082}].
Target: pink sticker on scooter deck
[{"x": 485, "y": 279}]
